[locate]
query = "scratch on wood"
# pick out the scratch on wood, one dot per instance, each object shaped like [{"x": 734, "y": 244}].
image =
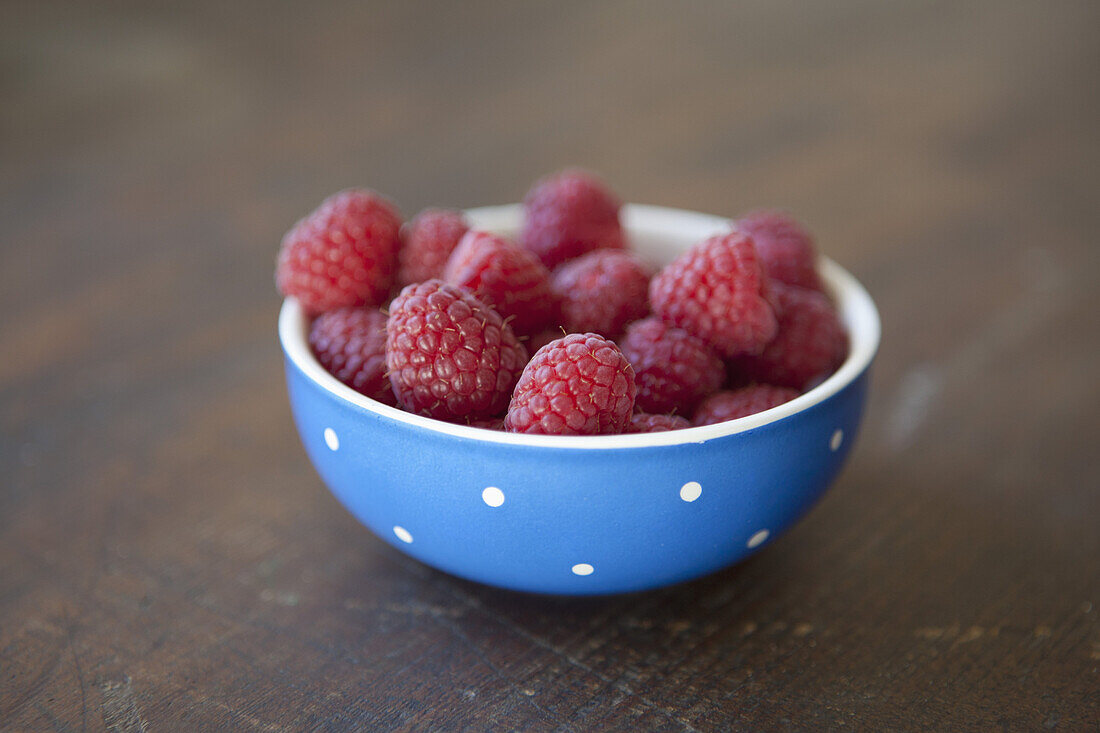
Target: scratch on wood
[
  {"x": 283, "y": 598},
  {"x": 1046, "y": 293},
  {"x": 79, "y": 672},
  {"x": 956, "y": 635},
  {"x": 916, "y": 393},
  {"x": 972, "y": 634},
  {"x": 252, "y": 720},
  {"x": 120, "y": 710},
  {"x": 678, "y": 626},
  {"x": 933, "y": 633}
]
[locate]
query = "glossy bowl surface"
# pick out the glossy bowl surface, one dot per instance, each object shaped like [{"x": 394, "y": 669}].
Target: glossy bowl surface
[{"x": 584, "y": 515}]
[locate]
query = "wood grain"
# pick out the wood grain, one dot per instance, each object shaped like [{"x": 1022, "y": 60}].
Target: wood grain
[{"x": 170, "y": 561}]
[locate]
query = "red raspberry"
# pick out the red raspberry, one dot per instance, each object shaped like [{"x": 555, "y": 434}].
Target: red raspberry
[
  {"x": 568, "y": 214},
  {"x": 344, "y": 253},
  {"x": 350, "y": 343},
  {"x": 644, "y": 422},
  {"x": 786, "y": 249},
  {"x": 505, "y": 276},
  {"x": 730, "y": 405},
  {"x": 450, "y": 356},
  {"x": 672, "y": 368},
  {"x": 602, "y": 291},
  {"x": 430, "y": 238},
  {"x": 580, "y": 384},
  {"x": 717, "y": 292},
  {"x": 810, "y": 345}
]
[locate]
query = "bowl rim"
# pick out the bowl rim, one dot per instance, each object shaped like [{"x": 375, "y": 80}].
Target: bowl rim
[{"x": 855, "y": 306}]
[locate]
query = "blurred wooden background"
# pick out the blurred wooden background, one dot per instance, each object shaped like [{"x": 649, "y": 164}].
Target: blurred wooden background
[{"x": 168, "y": 558}]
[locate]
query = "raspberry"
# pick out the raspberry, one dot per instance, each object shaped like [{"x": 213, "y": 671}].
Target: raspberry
[
  {"x": 672, "y": 368},
  {"x": 644, "y": 422},
  {"x": 730, "y": 405},
  {"x": 350, "y": 343},
  {"x": 580, "y": 384},
  {"x": 568, "y": 214},
  {"x": 810, "y": 345},
  {"x": 716, "y": 291},
  {"x": 505, "y": 276},
  {"x": 344, "y": 253},
  {"x": 430, "y": 238},
  {"x": 450, "y": 356},
  {"x": 602, "y": 291},
  {"x": 786, "y": 249}
]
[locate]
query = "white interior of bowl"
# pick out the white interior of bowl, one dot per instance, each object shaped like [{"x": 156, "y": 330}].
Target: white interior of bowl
[{"x": 657, "y": 234}]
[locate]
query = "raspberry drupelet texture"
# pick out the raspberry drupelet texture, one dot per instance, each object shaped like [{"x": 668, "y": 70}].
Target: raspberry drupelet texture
[
  {"x": 717, "y": 291},
  {"x": 672, "y": 368},
  {"x": 449, "y": 355},
  {"x": 602, "y": 291},
  {"x": 429, "y": 239},
  {"x": 344, "y": 253},
  {"x": 644, "y": 422},
  {"x": 580, "y": 384},
  {"x": 505, "y": 276},
  {"x": 568, "y": 214},
  {"x": 810, "y": 345},
  {"x": 350, "y": 343},
  {"x": 732, "y": 404},
  {"x": 786, "y": 249}
]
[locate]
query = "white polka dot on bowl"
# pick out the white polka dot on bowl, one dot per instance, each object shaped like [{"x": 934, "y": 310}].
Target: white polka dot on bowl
[
  {"x": 758, "y": 539},
  {"x": 331, "y": 439},
  {"x": 492, "y": 496},
  {"x": 691, "y": 491}
]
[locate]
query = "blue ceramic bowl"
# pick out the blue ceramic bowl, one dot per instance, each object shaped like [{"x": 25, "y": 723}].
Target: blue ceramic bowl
[{"x": 584, "y": 515}]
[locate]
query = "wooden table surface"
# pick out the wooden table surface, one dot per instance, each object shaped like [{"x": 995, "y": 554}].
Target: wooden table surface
[{"x": 169, "y": 560}]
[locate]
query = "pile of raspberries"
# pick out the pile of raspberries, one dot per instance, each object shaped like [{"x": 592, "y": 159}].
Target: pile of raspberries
[{"x": 565, "y": 332}]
